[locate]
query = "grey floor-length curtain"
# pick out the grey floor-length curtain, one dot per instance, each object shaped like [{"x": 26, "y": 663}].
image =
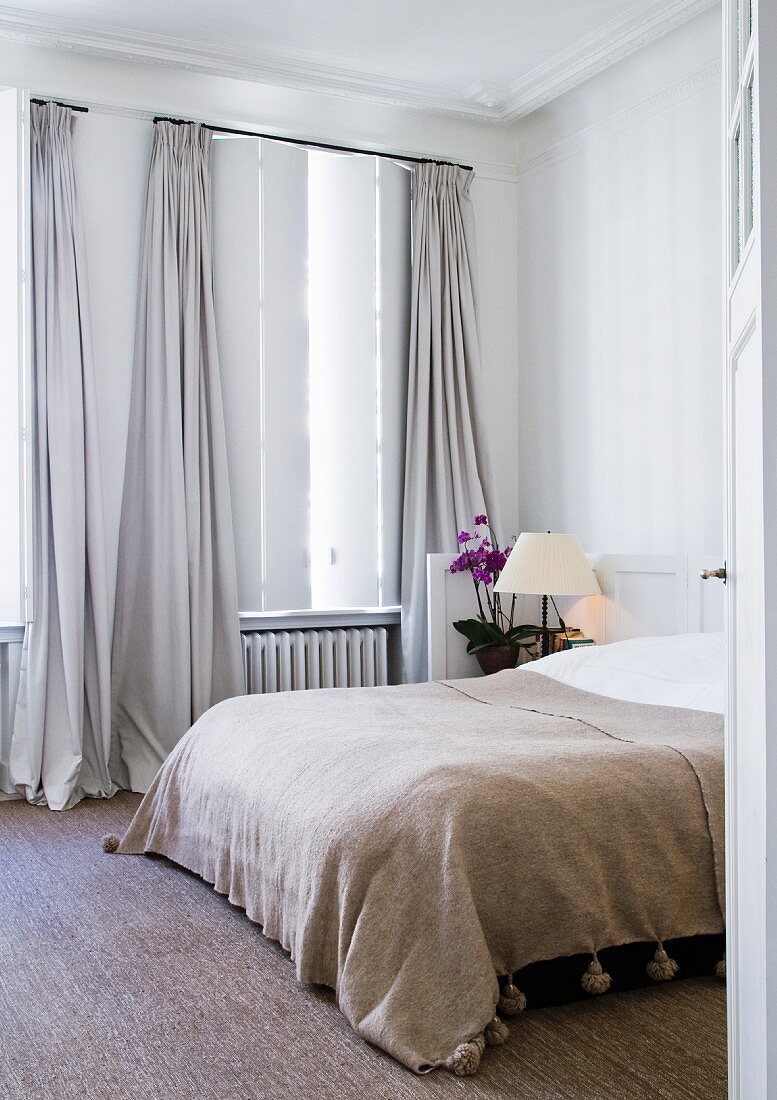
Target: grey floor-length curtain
[
  {"x": 176, "y": 648},
  {"x": 61, "y": 740},
  {"x": 447, "y": 468}
]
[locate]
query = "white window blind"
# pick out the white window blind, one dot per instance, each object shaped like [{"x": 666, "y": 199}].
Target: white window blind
[{"x": 312, "y": 277}]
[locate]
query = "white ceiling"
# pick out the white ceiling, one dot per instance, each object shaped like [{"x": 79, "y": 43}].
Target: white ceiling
[{"x": 496, "y": 59}]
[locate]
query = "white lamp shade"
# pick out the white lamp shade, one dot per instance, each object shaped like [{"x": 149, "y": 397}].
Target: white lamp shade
[{"x": 548, "y": 565}]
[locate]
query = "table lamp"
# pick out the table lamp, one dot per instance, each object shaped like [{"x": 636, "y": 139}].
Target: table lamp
[{"x": 548, "y": 565}]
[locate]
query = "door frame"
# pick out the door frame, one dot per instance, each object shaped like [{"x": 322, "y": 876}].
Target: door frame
[{"x": 750, "y": 286}]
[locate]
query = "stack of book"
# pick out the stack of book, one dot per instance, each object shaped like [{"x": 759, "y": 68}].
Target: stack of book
[{"x": 569, "y": 639}]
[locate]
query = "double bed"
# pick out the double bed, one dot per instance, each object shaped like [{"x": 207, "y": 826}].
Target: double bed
[{"x": 414, "y": 847}]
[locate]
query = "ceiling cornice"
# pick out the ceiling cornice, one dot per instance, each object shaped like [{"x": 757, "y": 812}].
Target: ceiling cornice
[
  {"x": 302, "y": 72},
  {"x": 636, "y": 27},
  {"x": 707, "y": 76},
  {"x": 482, "y": 101}
]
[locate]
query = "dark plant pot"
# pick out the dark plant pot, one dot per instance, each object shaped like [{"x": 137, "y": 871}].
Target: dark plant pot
[{"x": 497, "y": 658}]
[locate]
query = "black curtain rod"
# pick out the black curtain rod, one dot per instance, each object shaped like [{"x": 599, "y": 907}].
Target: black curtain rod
[
  {"x": 316, "y": 144},
  {"x": 72, "y": 106}
]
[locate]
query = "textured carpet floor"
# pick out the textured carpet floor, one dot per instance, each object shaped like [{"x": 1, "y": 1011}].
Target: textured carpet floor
[{"x": 124, "y": 977}]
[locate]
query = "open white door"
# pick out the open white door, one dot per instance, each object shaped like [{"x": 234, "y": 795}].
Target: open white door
[{"x": 750, "y": 110}]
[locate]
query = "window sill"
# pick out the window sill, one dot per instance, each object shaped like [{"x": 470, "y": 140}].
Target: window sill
[
  {"x": 11, "y": 632},
  {"x": 319, "y": 620}
]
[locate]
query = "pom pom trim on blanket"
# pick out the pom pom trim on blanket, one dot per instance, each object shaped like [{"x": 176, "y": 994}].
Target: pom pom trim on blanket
[
  {"x": 465, "y": 1059},
  {"x": 661, "y": 968},
  {"x": 595, "y": 980},
  {"x": 496, "y": 1033},
  {"x": 511, "y": 1000}
]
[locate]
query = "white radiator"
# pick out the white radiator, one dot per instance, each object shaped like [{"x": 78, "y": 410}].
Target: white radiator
[
  {"x": 291, "y": 660},
  {"x": 10, "y": 659}
]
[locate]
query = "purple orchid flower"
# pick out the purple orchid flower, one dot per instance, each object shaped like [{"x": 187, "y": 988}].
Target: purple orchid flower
[
  {"x": 459, "y": 564},
  {"x": 496, "y": 560},
  {"x": 479, "y": 555}
]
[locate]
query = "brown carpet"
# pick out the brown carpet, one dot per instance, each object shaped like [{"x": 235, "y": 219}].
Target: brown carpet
[{"x": 125, "y": 977}]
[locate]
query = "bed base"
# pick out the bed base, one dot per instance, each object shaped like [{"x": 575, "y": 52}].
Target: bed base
[{"x": 557, "y": 981}]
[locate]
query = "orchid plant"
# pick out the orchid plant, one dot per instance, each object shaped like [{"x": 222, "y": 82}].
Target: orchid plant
[{"x": 482, "y": 557}]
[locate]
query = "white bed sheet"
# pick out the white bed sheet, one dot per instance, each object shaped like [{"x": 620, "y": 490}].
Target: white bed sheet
[{"x": 679, "y": 670}]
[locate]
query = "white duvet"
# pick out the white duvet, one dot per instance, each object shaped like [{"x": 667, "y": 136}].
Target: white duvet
[{"x": 679, "y": 670}]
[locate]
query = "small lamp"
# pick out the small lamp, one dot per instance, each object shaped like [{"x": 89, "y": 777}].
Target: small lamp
[{"x": 545, "y": 564}]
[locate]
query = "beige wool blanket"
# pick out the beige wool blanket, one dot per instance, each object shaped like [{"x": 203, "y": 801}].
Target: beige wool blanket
[{"x": 409, "y": 844}]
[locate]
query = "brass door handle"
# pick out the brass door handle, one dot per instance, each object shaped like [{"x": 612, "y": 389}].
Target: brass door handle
[{"x": 707, "y": 574}]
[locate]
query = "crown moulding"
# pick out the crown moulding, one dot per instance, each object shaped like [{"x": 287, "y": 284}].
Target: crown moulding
[
  {"x": 636, "y": 27},
  {"x": 484, "y": 101},
  {"x": 706, "y": 76}
]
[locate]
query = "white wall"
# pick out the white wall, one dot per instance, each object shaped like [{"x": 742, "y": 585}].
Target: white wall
[
  {"x": 112, "y": 159},
  {"x": 620, "y": 422}
]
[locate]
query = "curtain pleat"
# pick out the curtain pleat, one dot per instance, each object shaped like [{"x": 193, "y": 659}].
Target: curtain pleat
[
  {"x": 61, "y": 741},
  {"x": 176, "y": 646},
  {"x": 447, "y": 468}
]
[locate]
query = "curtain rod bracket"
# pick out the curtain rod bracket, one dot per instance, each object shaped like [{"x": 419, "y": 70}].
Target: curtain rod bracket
[{"x": 72, "y": 106}]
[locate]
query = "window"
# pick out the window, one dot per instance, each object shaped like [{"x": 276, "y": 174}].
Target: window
[
  {"x": 11, "y": 464},
  {"x": 312, "y": 275},
  {"x": 741, "y": 118}
]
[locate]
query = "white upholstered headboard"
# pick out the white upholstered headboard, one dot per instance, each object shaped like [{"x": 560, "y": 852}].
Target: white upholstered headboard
[{"x": 643, "y": 596}]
